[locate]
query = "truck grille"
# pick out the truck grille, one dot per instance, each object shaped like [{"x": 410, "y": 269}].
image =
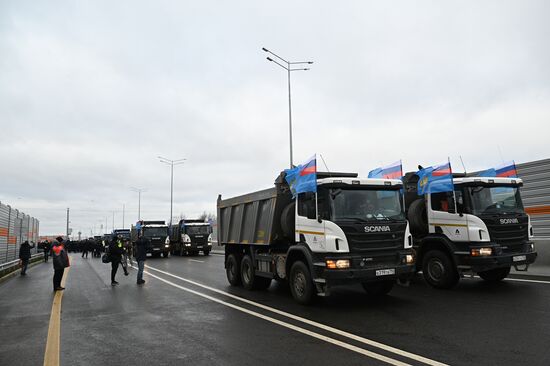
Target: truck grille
[
  {"x": 510, "y": 236},
  {"x": 361, "y": 241}
]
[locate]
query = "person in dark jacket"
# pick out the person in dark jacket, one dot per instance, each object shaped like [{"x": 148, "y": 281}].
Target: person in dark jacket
[
  {"x": 85, "y": 248},
  {"x": 47, "y": 248},
  {"x": 142, "y": 245},
  {"x": 60, "y": 260},
  {"x": 25, "y": 256},
  {"x": 116, "y": 250}
]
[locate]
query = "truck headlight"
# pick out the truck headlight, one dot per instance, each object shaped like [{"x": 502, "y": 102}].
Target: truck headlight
[
  {"x": 409, "y": 259},
  {"x": 187, "y": 245},
  {"x": 481, "y": 252},
  {"x": 337, "y": 264}
]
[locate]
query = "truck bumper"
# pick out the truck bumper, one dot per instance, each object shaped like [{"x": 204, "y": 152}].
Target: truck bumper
[
  {"x": 364, "y": 271},
  {"x": 480, "y": 264}
]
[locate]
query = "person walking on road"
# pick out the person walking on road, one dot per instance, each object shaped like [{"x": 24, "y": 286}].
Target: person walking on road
[
  {"x": 60, "y": 260},
  {"x": 47, "y": 247},
  {"x": 85, "y": 248},
  {"x": 25, "y": 256},
  {"x": 142, "y": 245},
  {"x": 116, "y": 250}
]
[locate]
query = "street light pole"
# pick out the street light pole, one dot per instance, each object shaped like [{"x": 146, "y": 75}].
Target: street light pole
[
  {"x": 171, "y": 163},
  {"x": 138, "y": 190},
  {"x": 288, "y": 67}
]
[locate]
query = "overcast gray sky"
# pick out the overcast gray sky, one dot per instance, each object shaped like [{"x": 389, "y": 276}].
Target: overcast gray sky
[{"x": 91, "y": 92}]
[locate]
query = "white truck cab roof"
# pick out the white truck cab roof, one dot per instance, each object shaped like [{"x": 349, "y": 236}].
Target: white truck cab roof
[
  {"x": 361, "y": 181},
  {"x": 487, "y": 180}
]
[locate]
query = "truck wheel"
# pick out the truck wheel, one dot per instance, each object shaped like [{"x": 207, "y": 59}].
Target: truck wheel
[
  {"x": 378, "y": 288},
  {"x": 301, "y": 284},
  {"x": 495, "y": 275},
  {"x": 165, "y": 254},
  {"x": 288, "y": 220},
  {"x": 247, "y": 272},
  {"x": 206, "y": 252},
  {"x": 232, "y": 270},
  {"x": 439, "y": 270},
  {"x": 418, "y": 218},
  {"x": 155, "y": 255}
]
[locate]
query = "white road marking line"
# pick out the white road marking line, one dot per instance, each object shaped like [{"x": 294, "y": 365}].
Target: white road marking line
[
  {"x": 336, "y": 342},
  {"x": 357, "y": 338},
  {"x": 194, "y": 260}
]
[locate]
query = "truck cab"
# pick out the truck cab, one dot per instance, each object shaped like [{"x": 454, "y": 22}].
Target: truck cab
[
  {"x": 191, "y": 236},
  {"x": 479, "y": 228},
  {"x": 157, "y": 233}
]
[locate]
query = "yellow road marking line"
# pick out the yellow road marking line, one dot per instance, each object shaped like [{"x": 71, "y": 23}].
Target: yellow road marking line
[{"x": 51, "y": 355}]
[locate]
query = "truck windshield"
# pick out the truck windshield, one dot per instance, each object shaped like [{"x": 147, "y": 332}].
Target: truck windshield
[
  {"x": 491, "y": 200},
  {"x": 155, "y": 231},
  {"x": 366, "y": 204},
  {"x": 197, "y": 230}
]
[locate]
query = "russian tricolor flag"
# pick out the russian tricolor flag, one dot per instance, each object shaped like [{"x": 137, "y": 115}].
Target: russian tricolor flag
[
  {"x": 392, "y": 171},
  {"x": 506, "y": 170},
  {"x": 303, "y": 178}
]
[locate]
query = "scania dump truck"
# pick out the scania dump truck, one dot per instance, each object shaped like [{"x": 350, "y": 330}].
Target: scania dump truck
[
  {"x": 157, "y": 233},
  {"x": 479, "y": 228},
  {"x": 191, "y": 236},
  {"x": 353, "y": 230}
]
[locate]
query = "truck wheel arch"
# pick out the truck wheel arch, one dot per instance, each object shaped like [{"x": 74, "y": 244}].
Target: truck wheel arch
[
  {"x": 436, "y": 242},
  {"x": 296, "y": 253}
]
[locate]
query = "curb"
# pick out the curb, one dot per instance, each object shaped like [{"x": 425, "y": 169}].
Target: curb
[{"x": 14, "y": 270}]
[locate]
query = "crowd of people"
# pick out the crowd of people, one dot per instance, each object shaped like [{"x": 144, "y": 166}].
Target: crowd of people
[{"x": 117, "y": 250}]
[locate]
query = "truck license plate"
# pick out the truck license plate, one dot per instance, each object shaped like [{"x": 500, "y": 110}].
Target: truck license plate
[
  {"x": 199, "y": 246},
  {"x": 519, "y": 258},
  {"x": 385, "y": 272}
]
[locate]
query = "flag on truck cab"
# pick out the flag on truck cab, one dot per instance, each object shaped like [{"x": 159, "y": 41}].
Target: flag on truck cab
[
  {"x": 303, "y": 178},
  {"x": 435, "y": 179},
  {"x": 506, "y": 170},
  {"x": 392, "y": 171}
]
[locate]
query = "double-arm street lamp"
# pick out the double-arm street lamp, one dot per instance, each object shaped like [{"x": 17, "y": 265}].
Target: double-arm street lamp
[
  {"x": 288, "y": 66},
  {"x": 171, "y": 163}
]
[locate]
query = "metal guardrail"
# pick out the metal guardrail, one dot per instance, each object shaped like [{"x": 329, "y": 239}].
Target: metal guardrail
[{"x": 16, "y": 262}]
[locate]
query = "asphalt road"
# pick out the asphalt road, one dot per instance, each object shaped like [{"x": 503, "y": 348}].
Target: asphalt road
[{"x": 186, "y": 313}]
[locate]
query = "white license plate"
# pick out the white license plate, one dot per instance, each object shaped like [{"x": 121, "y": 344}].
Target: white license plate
[
  {"x": 519, "y": 258},
  {"x": 156, "y": 248},
  {"x": 385, "y": 272},
  {"x": 199, "y": 246}
]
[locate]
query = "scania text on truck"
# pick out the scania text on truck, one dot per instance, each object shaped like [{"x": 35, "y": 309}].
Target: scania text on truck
[
  {"x": 157, "y": 233},
  {"x": 480, "y": 227},
  {"x": 191, "y": 236},
  {"x": 353, "y": 230}
]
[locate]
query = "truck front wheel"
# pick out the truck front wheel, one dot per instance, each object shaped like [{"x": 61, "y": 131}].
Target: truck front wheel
[
  {"x": 439, "y": 270},
  {"x": 378, "y": 288},
  {"x": 301, "y": 284},
  {"x": 495, "y": 275},
  {"x": 232, "y": 270},
  {"x": 165, "y": 254}
]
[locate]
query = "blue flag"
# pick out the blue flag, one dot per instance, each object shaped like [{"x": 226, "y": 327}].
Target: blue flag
[
  {"x": 435, "y": 179},
  {"x": 303, "y": 178}
]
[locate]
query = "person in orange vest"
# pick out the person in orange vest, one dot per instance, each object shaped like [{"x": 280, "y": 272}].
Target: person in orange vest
[{"x": 60, "y": 260}]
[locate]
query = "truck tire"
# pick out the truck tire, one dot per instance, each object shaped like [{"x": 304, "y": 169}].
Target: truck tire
[
  {"x": 301, "y": 283},
  {"x": 232, "y": 270},
  {"x": 378, "y": 288},
  {"x": 248, "y": 276},
  {"x": 155, "y": 255},
  {"x": 288, "y": 217},
  {"x": 439, "y": 270},
  {"x": 165, "y": 254},
  {"x": 418, "y": 218},
  {"x": 206, "y": 252},
  {"x": 495, "y": 275}
]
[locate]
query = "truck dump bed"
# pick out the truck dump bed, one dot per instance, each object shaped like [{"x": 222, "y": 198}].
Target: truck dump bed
[{"x": 253, "y": 218}]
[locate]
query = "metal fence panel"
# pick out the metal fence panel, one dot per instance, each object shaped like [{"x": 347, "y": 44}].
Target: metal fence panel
[
  {"x": 536, "y": 194},
  {"x": 15, "y": 228}
]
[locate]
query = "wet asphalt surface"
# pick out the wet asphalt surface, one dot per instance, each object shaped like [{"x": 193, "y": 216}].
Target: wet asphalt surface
[{"x": 174, "y": 323}]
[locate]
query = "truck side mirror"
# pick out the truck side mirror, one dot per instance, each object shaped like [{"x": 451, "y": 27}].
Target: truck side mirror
[{"x": 319, "y": 219}]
